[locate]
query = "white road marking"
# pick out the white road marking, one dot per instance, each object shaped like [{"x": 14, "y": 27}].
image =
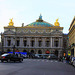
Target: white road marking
[
  {"x": 56, "y": 61},
  {"x": 51, "y": 61},
  {"x": 47, "y": 61}
]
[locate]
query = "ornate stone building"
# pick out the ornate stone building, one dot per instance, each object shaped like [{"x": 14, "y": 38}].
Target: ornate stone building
[
  {"x": 39, "y": 37},
  {"x": 72, "y": 37}
]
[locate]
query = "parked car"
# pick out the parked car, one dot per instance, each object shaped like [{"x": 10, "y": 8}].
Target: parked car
[
  {"x": 10, "y": 57},
  {"x": 72, "y": 62},
  {"x": 41, "y": 56},
  {"x": 37, "y": 56},
  {"x": 24, "y": 56},
  {"x": 52, "y": 56}
]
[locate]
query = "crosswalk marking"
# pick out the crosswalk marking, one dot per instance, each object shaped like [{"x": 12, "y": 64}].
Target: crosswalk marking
[
  {"x": 44, "y": 60},
  {"x": 56, "y": 61},
  {"x": 47, "y": 61},
  {"x": 51, "y": 61}
]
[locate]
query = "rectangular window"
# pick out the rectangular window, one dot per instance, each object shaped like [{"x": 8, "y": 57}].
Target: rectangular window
[
  {"x": 25, "y": 42},
  {"x": 47, "y": 43},
  {"x": 18, "y": 42},
  {"x": 56, "y": 43},
  {"x": 9, "y": 42},
  {"x": 32, "y": 43},
  {"x": 40, "y": 43}
]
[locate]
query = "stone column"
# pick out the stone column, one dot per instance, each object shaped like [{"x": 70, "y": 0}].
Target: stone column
[
  {"x": 11, "y": 41},
  {"x": 43, "y": 42},
  {"x": 51, "y": 42},
  {"x": 59, "y": 43},
  {"x": 21, "y": 42},
  {"x": 28, "y": 42},
  {"x": 36, "y": 42},
  {"x": 4, "y": 41}
]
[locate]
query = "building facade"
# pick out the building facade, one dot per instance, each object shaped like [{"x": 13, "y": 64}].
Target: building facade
[
  {"x": 65, "y": 44},
  {"x": 39, "y": 37},
  {"x": 72, "y": 37}
]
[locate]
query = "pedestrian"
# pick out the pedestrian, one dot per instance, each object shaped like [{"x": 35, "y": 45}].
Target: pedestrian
[{"x": 67, "y": 59}]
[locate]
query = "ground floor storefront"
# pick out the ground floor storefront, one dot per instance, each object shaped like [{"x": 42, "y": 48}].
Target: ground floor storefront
[{"x": 58, "y": 52}]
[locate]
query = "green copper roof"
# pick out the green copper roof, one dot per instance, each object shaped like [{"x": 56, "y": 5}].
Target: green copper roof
[{"x": 40, "y": 23}]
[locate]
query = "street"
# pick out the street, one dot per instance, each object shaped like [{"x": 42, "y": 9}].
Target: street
[{"x": 36, "y": 67}]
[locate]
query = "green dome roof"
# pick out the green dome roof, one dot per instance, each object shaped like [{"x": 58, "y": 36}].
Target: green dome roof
[{"x": 40, "y": 23}]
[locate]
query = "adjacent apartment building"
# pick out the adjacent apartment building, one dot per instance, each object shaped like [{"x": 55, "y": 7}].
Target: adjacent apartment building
[{"x": 72, "y": 37}]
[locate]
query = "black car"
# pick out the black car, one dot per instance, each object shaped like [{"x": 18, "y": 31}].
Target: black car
[{"x": 10, "y": 57}]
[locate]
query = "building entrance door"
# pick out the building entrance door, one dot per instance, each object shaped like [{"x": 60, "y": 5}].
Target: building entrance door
[
  {"x": 56, "y": 53},
  {"x": 39, "y": 52}
]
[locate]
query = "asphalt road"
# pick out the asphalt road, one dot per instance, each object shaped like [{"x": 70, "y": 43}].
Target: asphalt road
[{"x": 36, "y": 67}]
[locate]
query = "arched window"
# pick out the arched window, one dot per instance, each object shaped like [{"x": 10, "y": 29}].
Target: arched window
[
  {"x": 39, "y": 52},
  {"x": 32, "y": 51}
]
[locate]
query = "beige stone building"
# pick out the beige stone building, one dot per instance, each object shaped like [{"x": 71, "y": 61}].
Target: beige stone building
[{"x": 72, "y": 37}]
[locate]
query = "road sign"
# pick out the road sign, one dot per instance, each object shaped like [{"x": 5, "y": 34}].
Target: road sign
[{"x": 69, "y": 52}]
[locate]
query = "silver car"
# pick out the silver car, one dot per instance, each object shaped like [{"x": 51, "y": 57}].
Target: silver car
[{"x": 73, "y": 60}]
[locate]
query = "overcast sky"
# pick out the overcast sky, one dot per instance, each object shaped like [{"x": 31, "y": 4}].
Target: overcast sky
[{"x": 27, "y": 11}]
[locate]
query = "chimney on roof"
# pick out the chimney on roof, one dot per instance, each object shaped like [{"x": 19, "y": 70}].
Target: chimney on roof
[{"x": 22, "y": 24}]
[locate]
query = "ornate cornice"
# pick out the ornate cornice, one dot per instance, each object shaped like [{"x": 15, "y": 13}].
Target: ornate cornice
[{"x": 37, "y": 27}]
